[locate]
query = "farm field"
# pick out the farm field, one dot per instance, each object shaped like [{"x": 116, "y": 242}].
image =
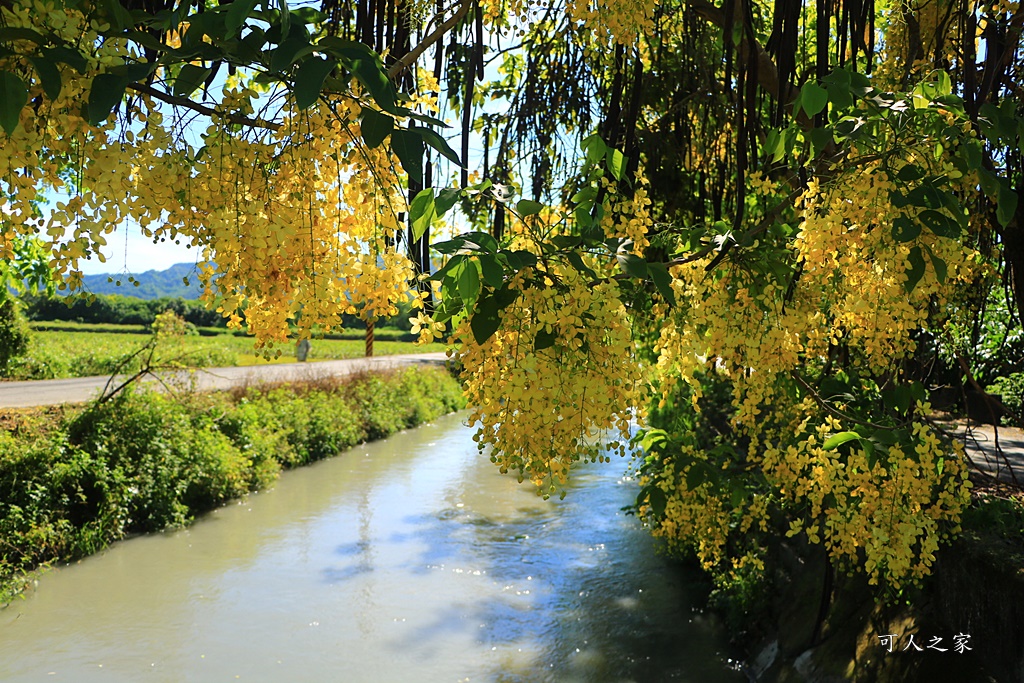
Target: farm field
[{"x": 63, "y": 350}]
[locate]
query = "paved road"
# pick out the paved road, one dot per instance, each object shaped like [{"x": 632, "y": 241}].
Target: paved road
[
  {"x": 55, "y": 391},
  {"x": 1005, "y": 463},
  {"x": 996, "y": 453}
]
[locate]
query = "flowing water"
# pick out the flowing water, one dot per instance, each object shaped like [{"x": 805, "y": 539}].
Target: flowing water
[{"x": 406, "y": 560}]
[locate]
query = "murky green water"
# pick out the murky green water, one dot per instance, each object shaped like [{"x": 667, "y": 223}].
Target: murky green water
[{"x": 408, "y": 560}]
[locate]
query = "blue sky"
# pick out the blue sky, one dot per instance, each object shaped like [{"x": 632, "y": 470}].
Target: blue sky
[{"x": 128, "y": 251}]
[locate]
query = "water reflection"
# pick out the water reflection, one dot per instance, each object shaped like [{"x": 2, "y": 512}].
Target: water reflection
[{"x": 408, "y": 560}]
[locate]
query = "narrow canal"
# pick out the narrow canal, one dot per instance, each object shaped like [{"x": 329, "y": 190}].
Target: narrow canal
[{"x": 407, "y": 560}]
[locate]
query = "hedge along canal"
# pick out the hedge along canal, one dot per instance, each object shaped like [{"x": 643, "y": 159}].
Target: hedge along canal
[
  {"x": 408, "y": 559},
  {"x": 74, "y": 479}
]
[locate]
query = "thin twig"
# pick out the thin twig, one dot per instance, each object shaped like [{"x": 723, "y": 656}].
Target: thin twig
[
  {"x": 202, "y": 109},
  {"x": 830, "y": 408}
]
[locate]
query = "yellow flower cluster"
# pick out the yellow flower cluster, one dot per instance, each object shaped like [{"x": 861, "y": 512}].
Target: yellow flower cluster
[
  {"x": 849, "y": 289},
  {"x": 888, "y": 515},
  {"x": 628, "y": 217},
  {"x": 297, "y": 223},
  {"x": 619, "y": 21},
  {"x": 541, "y": 408}
]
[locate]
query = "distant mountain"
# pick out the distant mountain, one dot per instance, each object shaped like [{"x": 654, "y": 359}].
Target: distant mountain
[{"x": 153, "y": 284}]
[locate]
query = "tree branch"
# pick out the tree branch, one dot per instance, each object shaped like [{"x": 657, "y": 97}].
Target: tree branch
[
  {"x": 410, "y": 57},
  {"x": 177, "y": 101}
]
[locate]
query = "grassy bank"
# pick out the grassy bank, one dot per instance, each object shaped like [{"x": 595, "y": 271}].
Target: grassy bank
[
  {"x": 79, "y": 350},
  {"x": 74, "y": 479}
]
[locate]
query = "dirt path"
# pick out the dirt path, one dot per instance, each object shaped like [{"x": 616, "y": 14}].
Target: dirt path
[{"x": 56, "y": 391}]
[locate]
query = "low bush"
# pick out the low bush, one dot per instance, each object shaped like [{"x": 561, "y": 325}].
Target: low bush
[
  {"x": 1010, "y": 390},
  {"x": 73, "y": 482},
  {"x": 13, "y": 334}
]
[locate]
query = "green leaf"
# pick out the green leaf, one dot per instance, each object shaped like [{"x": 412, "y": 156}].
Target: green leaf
[
  {"x": 696, "y": 475},
  {"x": 632, "y": 265},
  {"x": 485, "y": 320},
  {"x": 13, "y": 97},
  {"x": 910, "y": 173},
  {"x": 469, "y": 283},
  {"x": 69, "y": 56},
  {"x": 839, "y": 95},
  {"x": 440, "y": 144},
  {"x": 595, "y": 148},
  {"x": 238, "y": 12},
  {"x": 899, "y": 399},
  {"x": 49, "y": 75},
  {"x": 147, "y": 40},
  {"x": 408, "y": 147},
  {"x": 926, "y": 197},
  {"x": 616, "y": 162},
  {"x": 494, "y": 274},
  {"x": 9, "y": 34},
  {"x": 528, "y": 207},
  {"x": 772, "y": 145},
  {"x": 376, "y": 127},
  {"x": 286, "y": 17},
  {"x": 309, "y": 79},
  {"x": 566, "y": 241},
  {"x": 814, "y": 98},
  {"x": 104, "y": 96},
  {"x": 519, "y": 259},
  {"x": 989, "y": 182},
  {"x": 449, "y": 246},
  {"x": 941, "y": 224},
  {"x": 576, "y": 261},
  {"x": 189, "y": 79},
  {"x": 916, "y": 270},
  {"x": 869, "y": 452},
  {"x": 482, "y": 240},
  {"x": 309, "y": 15},
  {"x": 941, "y": 271},
  {"x": 821, "y": 138},
  {"x": 289, "y": 50},
  {"x": 445, "y": 200},
  {"x": 544, "y": 340},
  {"x": 374, "y": 78},
  {"x": 972, "y": 154},
  {"x": 119, "y": 17},
  {"x": 904, "y": 229},
  {"x": 656, "y": 498},
  {"x": 663, "y": 281},
  {"x": 1007, "y": 206},
  {"x": 422, "y": 213},
  {"x": 833, "y": 442},
  {"x": 652, "y": 438}
]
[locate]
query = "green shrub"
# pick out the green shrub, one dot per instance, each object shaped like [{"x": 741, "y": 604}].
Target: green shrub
[
  {"x": 13, "y": 333},
  {"x": 381, "y": 405},
  {"x": 1010, "y": 390},
  {"x": 146, "y": 461}
]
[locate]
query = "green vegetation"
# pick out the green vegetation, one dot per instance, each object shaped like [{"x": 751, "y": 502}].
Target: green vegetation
[
  {"x": 119, "y": 309},
  {"x": 78, "y": 351},
  {"x": 74, "y": 480},
  {"x": 1010, "y": 390},
  {"x": 14, "y": 335}
]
